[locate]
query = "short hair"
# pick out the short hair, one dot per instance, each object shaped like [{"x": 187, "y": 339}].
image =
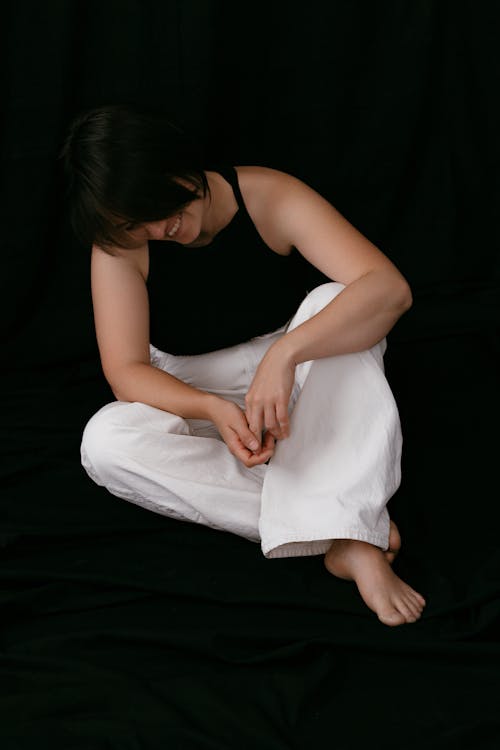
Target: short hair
[{"x": 124, "y": 165}]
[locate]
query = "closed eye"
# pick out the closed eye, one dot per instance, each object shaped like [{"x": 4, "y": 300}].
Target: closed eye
[{"x": 126, "y": 227}]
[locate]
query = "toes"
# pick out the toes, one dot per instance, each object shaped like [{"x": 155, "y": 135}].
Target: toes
[
  {"x": 420, "y": 599},
  {"x": 407, "y": 611},
  {"x": 417, "y": 599},
  {"x": 391, "y": 617},
  {"x": 401, "y": 608},
  {"x": 412, "y": 608},
  {"x": 410, "y": 604}
]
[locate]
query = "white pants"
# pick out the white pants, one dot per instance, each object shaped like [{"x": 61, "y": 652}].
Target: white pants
[{"x": 330, "y": 479}]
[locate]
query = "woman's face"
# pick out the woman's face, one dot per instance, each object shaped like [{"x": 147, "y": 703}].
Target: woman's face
[{"x": 183, "y": 227}]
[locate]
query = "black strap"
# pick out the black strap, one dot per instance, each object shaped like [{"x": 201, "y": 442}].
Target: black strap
[{"x": 231, "y": 175}]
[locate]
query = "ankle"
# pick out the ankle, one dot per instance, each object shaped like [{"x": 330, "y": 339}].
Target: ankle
[{"x": 347, "y": 558}]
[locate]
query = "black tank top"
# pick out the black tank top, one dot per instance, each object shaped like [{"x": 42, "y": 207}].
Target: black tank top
[{"x": 224, "y": 293}]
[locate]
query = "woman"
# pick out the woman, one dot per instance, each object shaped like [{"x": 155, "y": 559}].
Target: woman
[{"x": 246, "y": 400}]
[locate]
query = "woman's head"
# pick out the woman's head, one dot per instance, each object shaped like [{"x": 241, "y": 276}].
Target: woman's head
[{"x": 124, "y": 166}]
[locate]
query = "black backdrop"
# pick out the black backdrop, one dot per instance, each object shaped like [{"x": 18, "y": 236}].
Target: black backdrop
[{"x": 124, "y": 629}]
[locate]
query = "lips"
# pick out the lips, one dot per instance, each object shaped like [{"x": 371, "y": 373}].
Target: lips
[{"x": 175, "y": 227}]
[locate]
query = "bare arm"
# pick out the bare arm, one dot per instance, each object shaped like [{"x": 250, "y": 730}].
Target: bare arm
[
  {"x": 375, "y": 294},
  {"x": 121, "y": 316},
  {"x": 289, "y": 213}
]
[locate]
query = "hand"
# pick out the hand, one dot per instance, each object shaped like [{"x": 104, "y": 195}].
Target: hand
[
  {"x": 232, "y": 424},
  {"x": 269, "y": 395}
]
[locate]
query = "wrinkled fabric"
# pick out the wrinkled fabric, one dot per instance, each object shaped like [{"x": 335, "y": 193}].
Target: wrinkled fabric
[{"x": 330, "y": 479}]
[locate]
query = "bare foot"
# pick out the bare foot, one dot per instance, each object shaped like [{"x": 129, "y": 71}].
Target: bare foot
[{"x": 392, "y": 600}]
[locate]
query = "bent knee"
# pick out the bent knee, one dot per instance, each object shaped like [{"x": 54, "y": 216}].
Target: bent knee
[
  {"x": 321, "y": 295},
  {"x": 316, "y": 300},
  {"x": 120, "y": 430}
]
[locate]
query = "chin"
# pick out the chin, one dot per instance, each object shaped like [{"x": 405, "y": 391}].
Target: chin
[{"x": 192, "y": 240}]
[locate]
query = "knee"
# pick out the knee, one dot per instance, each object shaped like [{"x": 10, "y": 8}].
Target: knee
[
  {"x": 121, "y": 430},
  {"x": 321, "y": 295},
  {"x": 315, "y": 301},
  {"x": 106, "y": 438}
]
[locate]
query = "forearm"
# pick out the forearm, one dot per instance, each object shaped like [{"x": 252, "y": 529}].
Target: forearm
[
  {"x": 356, "y": 319},
  {"x": 149, "y": 385}
]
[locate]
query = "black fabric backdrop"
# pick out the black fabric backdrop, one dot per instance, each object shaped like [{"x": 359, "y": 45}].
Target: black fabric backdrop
[{"x": 124, "y": 629}]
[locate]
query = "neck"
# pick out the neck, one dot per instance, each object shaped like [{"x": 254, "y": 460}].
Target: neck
[{"x": 219, "y": 208}]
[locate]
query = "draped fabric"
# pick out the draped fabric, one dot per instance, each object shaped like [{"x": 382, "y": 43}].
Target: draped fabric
[{"x": 127, "y": 630}]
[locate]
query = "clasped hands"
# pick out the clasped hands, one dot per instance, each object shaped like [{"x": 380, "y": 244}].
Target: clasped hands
[{"x": 251, "y": 434}]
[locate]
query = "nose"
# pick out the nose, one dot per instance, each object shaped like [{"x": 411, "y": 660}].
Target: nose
[{"x": 156, "y": 229}]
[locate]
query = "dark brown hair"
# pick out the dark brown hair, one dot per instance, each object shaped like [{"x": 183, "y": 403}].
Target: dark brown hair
[{"x": 122, "y": 166}]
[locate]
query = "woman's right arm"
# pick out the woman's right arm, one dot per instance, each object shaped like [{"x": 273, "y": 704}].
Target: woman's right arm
[{"x": 121, "y": 318}]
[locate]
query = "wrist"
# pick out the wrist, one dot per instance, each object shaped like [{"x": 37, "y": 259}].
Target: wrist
[
  {"x": 284, "y": 350},
  {"x": 210, "y": 405}
]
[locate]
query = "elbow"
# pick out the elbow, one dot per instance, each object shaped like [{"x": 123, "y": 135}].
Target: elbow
[
  {"x": 116, "y": 391},
  {"x": 402, "y": 297},
  {"x": 118, "y": 395},
  {"x": 394, "y": 291},
  {"x": 117, "y": 384},
  {"x": 120, "y": 390},
  {"x": 407, "y": 297}
]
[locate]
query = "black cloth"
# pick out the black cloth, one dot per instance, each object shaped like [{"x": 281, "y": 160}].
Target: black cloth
[{"x": 224, "y": 293}]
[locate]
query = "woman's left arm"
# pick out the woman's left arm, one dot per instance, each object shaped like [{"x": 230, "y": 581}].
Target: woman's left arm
[{"x": 375, "y": 295}]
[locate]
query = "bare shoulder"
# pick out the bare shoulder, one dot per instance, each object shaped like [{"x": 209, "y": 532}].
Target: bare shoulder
[
  {"x": 257, "y": 181},
  {"x": 136, "y": 259},
  {"x": 290, "y": 213},
  {"x": 264, "y": 190}
]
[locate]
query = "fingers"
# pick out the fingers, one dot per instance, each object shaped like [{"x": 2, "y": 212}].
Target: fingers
[
  {"x": 272, "y": 417},
  {"x": 283, "y": 419},
  {"x": 248, "y": 439},
  {"x": 243, "y": 443},
  {"x": 232, "y": 425},
  {"x": 268, "y": 442},
  {"x": 248, "y": 457},
  {"x": 276, "y": 421},
  {"x": 250, "y": 436},
  {"x": 266, "y": 402},
  {"x": 272, "y": 422},
  {"x": 255, "y": 425}
]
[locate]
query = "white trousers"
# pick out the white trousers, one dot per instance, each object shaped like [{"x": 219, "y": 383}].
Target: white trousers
[{"x": 330, "y": 479}]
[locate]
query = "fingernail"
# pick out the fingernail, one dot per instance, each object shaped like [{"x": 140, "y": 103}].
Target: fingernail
[{"x": 254, "y": 445}]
